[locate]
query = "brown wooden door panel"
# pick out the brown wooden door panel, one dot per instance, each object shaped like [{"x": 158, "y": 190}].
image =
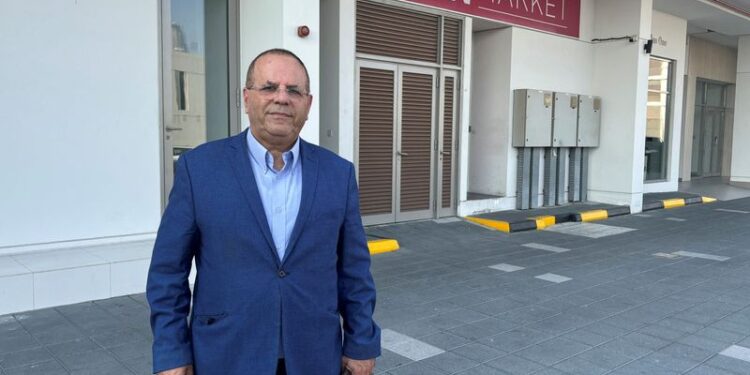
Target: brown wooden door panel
[
  {"x": 447, "y": 146},
  {"x": 416, "y": 141},
  {"x": 376, "y": 110}
]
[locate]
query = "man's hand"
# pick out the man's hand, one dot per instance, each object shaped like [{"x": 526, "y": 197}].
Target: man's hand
[
  {"x": 358, "y": 367},
  {"x": 186, "y": 370}
]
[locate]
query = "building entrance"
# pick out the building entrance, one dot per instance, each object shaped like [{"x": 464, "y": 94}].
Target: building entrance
[
  {"x": 708, "y": 131},
  {"x": 407, "y": 110}
]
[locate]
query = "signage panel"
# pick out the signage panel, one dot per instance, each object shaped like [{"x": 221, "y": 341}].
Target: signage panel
[{"x": 556, "y": 16}]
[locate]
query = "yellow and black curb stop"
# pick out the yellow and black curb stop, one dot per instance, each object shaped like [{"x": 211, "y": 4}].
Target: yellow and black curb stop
[
  {"x": 676, "y": 202},
  {"x": 535, "y": 223},
  {"x": 382, "y": 245},
  {"x": 541, "y": 222}
]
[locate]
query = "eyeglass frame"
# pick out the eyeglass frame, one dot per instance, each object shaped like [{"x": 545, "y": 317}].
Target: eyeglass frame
[{"x": 292, "y": 91}]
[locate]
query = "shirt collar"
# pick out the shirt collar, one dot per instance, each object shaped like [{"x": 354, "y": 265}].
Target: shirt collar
[{"x": 264, "y": 159}]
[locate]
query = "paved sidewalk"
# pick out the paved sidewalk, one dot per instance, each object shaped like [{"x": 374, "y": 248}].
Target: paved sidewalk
[{"x": 659, "y": 293}]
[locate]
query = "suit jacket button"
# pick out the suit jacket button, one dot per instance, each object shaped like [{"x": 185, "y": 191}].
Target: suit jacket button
[{"x": 282, "y": 273}]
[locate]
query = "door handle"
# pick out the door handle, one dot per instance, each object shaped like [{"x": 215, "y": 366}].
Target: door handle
[
  {"x": 402, "y": 153},
  {"x": 445, "y": 153},
  {"x": 172, "y": 129}
]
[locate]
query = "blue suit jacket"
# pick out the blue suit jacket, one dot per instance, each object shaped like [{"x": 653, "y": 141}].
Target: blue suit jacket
[{"x": 244, "y": 295}]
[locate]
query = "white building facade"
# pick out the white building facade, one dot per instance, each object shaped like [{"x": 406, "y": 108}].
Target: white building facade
[{"x": 418, "y": 94}]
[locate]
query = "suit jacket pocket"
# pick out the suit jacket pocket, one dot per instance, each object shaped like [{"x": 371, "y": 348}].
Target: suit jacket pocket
[{"x": 209, "y": 319}]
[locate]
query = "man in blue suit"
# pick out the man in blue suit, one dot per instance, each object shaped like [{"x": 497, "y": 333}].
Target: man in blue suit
[{"x": 283, "y": 281}]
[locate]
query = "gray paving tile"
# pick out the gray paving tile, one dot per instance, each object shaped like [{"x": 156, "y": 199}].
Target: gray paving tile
[
  {"x": 86, "y": 360},
  {"x": 578, "y": 365},
  {"x": 516, "y": 339},
  {"x": 117, "y": 337},
  {"x": 24, "y": 358},
  {"x": 17, "y": 341},
  {"x": 478, "y": 352},
  {"x": 417, "y": 368},
  {"x": 496, "y": 307},
  {"x": 552, "y": 351},
  {"x": 109, "y": 368},
  {"x": 483, "y": 370},
  {"x": 708, "y": 370},
  {"x": 140, "y": 366},
  {"x": 445, "y": 340},
  {"x": 389, "y": 360},
  {"x": 44, "y": 368},
  {"x": 79, "y": 345},
  {"x": 513, "y": 364},
  {"x": 729, "y": 364},
  {"x": 643, "y": 368},
  {"x": 451, "y": 362},
  {"x": 586, "y": 337},
  {"x": 135, "y": 349}
]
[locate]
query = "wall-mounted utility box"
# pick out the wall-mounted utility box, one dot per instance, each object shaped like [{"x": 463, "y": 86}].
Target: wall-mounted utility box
[
  {"x": 564, "y": 120},
  {"x": 589, "y": 120},
  {"x": 532, "y": 118}
]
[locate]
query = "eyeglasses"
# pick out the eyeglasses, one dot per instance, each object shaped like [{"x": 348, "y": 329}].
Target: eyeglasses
[{"x": 272, "y": 89}]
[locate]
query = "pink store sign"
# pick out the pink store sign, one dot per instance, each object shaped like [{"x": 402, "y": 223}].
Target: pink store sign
[{"x": 556, "y": 16}]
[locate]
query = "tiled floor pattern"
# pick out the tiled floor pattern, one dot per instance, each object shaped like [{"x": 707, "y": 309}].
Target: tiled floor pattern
[{"x": 460, "y": 299}]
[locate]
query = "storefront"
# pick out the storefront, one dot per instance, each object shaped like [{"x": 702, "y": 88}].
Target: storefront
[{"x": 419, "y": 94}]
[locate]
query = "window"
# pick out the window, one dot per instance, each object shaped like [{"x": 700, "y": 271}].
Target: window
[
  {"x": 658, "y": 112},
  {"x": 180, "y": 90}
]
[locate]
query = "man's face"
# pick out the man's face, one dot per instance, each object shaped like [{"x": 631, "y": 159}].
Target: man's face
[{"x": 277, "y": 101}]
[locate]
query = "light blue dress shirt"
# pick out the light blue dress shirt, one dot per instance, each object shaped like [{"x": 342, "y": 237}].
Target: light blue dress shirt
[{"x": 280, "y": 191}]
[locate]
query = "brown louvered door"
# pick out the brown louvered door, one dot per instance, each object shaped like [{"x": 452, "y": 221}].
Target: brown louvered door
[
  {"x": 415, "y": 148},
  {"x": 376, "y": 120},
  {"x": 447, "y": 155},
  {"x": 395, "y": 130}
]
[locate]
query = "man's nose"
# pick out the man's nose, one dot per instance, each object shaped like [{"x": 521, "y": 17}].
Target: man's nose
[{"x": 281, "y": 96}]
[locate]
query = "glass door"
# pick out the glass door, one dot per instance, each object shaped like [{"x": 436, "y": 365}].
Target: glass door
[
  {"x": 708, "y": 129},
  {"x": 200, "y": 75}
]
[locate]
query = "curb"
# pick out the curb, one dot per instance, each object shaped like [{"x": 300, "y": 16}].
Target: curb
[
  {"x": 385, "y": 245},
  {"x": 674, "y": 203},
  {"x": 541, "y": 222}
]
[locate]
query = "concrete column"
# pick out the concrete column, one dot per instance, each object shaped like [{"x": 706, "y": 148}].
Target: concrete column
[
  {"x": 621, "y": 79},
  {"x": 740, "y": 171}
]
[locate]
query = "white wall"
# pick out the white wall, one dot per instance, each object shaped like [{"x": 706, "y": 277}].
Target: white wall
[
  {"x": 621, "y": 79},
  {"x": 672, "y": 31},
  {"x": 465, "y": 114},
  {"x": 489, "y": 140},
  {"x": 741, "y": 132},
  {"x": 508, "y": 59},
  {"x": 266, "y": 24},
  {"x": 337, "y": 64},
  {"x": 80, "y": 117}
]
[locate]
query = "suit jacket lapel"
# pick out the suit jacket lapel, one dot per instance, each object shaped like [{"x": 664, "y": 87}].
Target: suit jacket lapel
[
  {"x": 309, "y": 184},
  {"x": 240, "y": 159}
]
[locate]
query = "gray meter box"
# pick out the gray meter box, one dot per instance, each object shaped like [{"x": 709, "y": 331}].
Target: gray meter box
[
  {"x": 532, "y": 118},
  {"x": 564, "y": 120},
  {"x": 589, "y": 120}
]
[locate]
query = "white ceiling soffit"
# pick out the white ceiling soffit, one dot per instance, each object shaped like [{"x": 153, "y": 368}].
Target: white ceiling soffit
[{"x": 726, "y": 19}]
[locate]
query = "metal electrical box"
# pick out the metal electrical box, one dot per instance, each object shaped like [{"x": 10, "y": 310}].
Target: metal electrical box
[
  {"x": 589, "y": 120},
  {"x": 564, "y": 120},
  {"x": 532, "y": 118}
]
